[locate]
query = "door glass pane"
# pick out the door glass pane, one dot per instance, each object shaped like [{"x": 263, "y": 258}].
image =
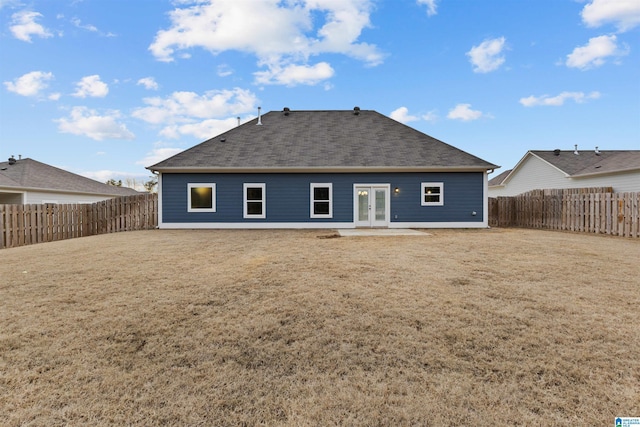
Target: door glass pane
[
  {"x": 380, "y": 205},
  {"x": 363, "y": 205}
]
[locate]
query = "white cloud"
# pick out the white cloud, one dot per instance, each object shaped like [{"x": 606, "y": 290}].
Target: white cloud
[
  {"x": 157, "y": 155},
  {"x": 625, "y": 14},
  {"x": 204, "y": 129},
  {"x": 24, "y": 25},
  {"x": 292, "y": 75},
  {"x": 83, "y": 121},
  {"x": 30, "y": 84},
  {"x": 4, "y": 3},
  {"x": 546, "y": 100},
  {"x": 54, "y": 96},
  {"x": 280, "y": 34},
  {"x": 431, "y": 6},
  {"x": 594, "y": 53},
  {"x": 187, "y": 113},
  {"x": 431, "y": 116},
  {"x": 91, "y": 86},
  {"x": 402, "y": 115},
  {"x": 77, "y": 23},
  {"x": 224, "y": 70},
  {"x": 149, "y": 83},
  {"x": 487, "y": 56},
  {"x": 464, "y": 112}
]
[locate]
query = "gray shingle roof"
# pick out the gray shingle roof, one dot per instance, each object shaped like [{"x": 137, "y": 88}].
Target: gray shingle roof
[
  {"x": 31, "y": 174},
  {"x": 322, "y": 139},
  {"x": 588, "y": 162},
  {"x": 497, "y": 180}
]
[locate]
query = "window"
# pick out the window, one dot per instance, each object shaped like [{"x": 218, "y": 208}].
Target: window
[
  {"x": 432, "y": 194},
  {"x": 321, "y": 200},
  {"x": 254, "y": 201},
  {"x": 201, "y": 197}
]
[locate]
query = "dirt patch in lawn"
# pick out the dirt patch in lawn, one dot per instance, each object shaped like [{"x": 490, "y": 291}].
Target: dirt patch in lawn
[{"x": 470, "y": 327}]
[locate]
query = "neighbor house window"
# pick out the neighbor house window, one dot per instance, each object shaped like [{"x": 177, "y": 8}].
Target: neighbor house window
[
  {"x": 432, "y": 194},
  {"x": 321, "y": 201},
  {"x": 201, "y": 197},
  {"x": 254, "y": 201}
]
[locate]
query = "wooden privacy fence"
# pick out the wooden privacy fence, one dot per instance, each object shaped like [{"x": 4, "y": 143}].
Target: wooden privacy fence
[
  {"x": 28, "y": 224},
  {"x": 585, "y": 210}
]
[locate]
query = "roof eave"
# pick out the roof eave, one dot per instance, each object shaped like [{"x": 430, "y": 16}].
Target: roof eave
[
  {"x": 610, "y": 172},
  {"x": 335, "y": 169},
  {"x": 53, "y": 190}
]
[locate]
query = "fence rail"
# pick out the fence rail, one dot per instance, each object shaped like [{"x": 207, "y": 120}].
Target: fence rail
[
  {"x": 28, "y": 224},
  {"x": 591, "y": 210}
]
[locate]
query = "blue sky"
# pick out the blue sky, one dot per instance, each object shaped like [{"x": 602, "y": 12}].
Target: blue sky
[{"x": 104, "y": 88}]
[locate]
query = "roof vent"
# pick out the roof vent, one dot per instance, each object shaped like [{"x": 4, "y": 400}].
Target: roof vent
[
  {"x": 259, "y": 117},
  {"x": 286, "y": 111},
  {"x": 238, "y": 120},
  {"x": 576, "y": 150},
  {"x": 556, "y": 152},
  {"x": 223, "y": 139},
  {"x": 597, "y": 151},
  {"x": 12, "y": 160},
  {"x": 356, "y": 110}
]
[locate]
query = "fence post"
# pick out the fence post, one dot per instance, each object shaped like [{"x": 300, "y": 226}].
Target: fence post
[
  {"x": 635, "y": 228},
  {"x": 2, "y": 227}
]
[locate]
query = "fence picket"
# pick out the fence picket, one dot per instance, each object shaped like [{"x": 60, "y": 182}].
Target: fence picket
[
  {"x": 28, "y": 224},
  {"x": 590, "y": 210}
]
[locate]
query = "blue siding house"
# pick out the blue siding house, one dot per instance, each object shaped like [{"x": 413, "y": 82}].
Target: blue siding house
[{"x": 323, "y": 169}]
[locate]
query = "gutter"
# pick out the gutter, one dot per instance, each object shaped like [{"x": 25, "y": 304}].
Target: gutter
[{"x": 610, "y": 172}]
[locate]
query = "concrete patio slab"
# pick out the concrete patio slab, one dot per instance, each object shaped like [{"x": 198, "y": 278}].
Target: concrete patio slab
[{"x": 348, "y": 232}]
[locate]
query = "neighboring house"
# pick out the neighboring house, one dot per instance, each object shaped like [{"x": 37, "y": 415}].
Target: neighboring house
[
  {"x": 27, "y": 181},
  {"x": 322, "y": 169},
  {"x": 570, "y": 169}
]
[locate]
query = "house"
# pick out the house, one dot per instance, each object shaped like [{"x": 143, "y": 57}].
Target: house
[
  {"x": 27, "y": 181},
  {"x": 322, "y": 169},
  {"x": 570, "y": 169}
]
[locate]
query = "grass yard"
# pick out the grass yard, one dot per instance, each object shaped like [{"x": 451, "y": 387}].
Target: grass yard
[{"x": 469, "y": 327}]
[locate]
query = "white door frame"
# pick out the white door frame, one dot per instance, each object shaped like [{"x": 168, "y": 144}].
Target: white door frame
[{"x": 372, "y": 220}]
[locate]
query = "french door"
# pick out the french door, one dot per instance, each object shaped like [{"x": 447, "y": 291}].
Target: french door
[{"x": 371, "y": 205}]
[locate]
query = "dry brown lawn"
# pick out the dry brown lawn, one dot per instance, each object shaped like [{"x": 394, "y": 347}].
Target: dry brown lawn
[{"x": 469, "y": 327}]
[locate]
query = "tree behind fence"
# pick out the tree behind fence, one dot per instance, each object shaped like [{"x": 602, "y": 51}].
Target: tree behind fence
[
  {"x": 28, "y": 224},
  {"x": 590, "y": 210}
]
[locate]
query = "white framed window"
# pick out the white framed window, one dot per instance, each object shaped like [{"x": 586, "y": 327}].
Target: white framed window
[
  {"x": 201, "y": 197},
  {"x": 432, "y": 193},
  {"x": 321, "y": 200},
  {"x": 254, "y": 200}
]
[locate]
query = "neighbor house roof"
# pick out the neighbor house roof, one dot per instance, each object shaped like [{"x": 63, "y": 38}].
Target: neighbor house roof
[
  {"x": 591, "y": 162},
  {"x": 29, "y": 174},
  {"x": 498, "y": 179},
  {"x": 584, "y": 163},
  {"x": 322, "y": 140}
]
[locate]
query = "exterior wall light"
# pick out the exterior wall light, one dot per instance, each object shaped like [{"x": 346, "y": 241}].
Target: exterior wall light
[{"x": 396, "y": 190}]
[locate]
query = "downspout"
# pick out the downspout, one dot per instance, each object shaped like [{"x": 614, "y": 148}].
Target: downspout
[
  {"x": 485, "y": 200},
  {"x": 159, "y": 174}
]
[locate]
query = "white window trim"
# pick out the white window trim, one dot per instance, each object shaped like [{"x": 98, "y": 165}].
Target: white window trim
[
  {"x": 313, "y": 186},
  {"x": 245, "y": 186},
  {"x": 423, "y": 185},
  {"x": 213, "y": 196}
]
